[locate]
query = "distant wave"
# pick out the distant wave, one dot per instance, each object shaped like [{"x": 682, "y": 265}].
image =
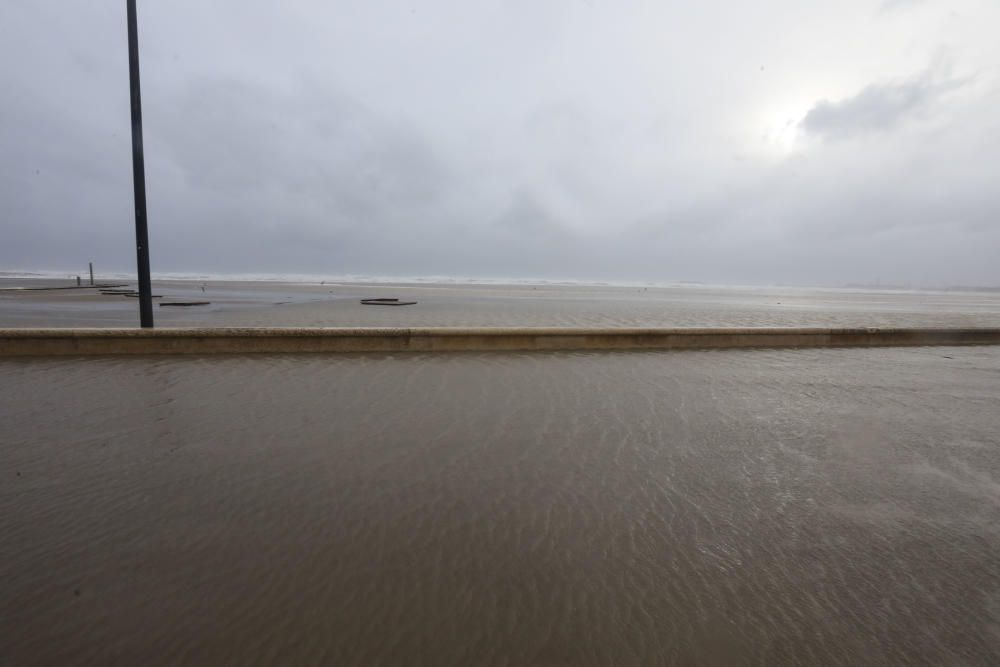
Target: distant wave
[
  {"x": 312, "y": 278},
  {"x": 315, "y": 278}
]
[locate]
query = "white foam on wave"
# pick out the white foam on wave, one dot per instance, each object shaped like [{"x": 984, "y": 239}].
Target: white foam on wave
[
  {"x": 314, "y": 278},
  {"x": 355, "y": 278}
]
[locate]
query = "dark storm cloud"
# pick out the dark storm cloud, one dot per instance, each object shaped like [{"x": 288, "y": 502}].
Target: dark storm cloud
[
  {"x": 308, "y": 152},
  {"x": 876, "y": 108},
  {"x": 526, "y": 216}
]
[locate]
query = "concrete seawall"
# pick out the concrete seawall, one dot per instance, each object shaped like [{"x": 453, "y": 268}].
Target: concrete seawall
[{"x": 50, "y": 342}]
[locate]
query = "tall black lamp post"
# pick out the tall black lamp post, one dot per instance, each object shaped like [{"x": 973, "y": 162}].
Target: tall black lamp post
[{"x": 139, "y": 174}]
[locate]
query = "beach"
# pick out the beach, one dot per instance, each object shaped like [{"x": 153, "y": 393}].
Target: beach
[
  {"x": 500, "y": 334},
  {"x": 333, "y": 304},
  {"x": 786, "y": 506}
]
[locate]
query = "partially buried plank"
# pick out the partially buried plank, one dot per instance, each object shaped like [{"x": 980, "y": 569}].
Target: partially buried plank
[{"x": 386, "y": 302}]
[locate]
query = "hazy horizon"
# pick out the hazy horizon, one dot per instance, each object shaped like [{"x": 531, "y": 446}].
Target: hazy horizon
[
  {"x": 634, "y": 142},
  {"x": 332, "y": 277}
]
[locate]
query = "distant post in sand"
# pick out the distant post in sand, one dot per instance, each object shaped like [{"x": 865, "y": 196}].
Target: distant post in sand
[
  {"x": 91, "y": 274},
  {"x": 138, "y": 173}
]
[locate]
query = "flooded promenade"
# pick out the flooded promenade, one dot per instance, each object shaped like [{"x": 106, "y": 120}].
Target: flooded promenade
[{"x": 786, "y": 506}]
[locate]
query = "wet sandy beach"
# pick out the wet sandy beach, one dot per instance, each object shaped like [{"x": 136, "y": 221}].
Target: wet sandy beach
[
  {"x": 338, "y": 305},
  {"x": 780, "y": 507}
]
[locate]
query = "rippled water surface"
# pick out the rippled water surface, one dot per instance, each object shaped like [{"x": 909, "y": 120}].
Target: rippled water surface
[{"x": 727, "y": 507}]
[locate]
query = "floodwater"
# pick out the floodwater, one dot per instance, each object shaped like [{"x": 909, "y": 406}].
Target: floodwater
[{"x": 785, "y": 507}]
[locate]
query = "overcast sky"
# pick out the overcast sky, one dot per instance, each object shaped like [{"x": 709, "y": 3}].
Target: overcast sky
[{"x": 718, "y": 141}]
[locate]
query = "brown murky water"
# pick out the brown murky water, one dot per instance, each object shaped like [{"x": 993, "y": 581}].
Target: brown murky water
[{"x": 779, "y": 507}]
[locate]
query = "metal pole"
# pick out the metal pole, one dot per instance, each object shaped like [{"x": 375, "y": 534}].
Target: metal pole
[
  {"x": 91, "y": 274},
  {"x": 139, "y": 173}
]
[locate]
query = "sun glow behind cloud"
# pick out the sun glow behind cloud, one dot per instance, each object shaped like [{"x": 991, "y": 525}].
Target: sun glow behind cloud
[
  {"x": 639, "y": 138},
  {"x": 776, "y": 128}
]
